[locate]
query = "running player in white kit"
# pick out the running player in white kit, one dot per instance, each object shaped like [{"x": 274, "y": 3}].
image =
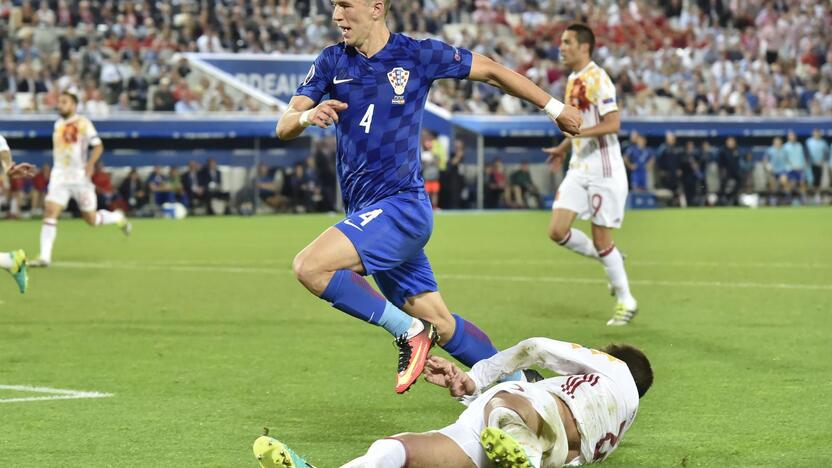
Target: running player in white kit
[
  {"x": 576, "y": 418},
  {"x": 71, "y": 177},
  {"x": 595, "y": 186}
]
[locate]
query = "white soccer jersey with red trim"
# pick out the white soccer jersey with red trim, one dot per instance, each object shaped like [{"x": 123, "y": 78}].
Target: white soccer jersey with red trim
[
  {"x": 597, "y": 388},
  {"x": 70, "y": 148},
  {"x": 591, "y": 92}
]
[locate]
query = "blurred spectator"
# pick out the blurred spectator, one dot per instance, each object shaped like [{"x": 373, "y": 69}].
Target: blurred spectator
[
  {"x": 210, "y": 179},
  {"x": 176, "y": 186},
  {"x": 639, "y": 160},
  {"x": 522, "y": 191},
  {"x": 19, "y": 188},
  {"x": 453, "y": 182},
  {"x": 133, "y": 191},
  {"x": 40, "y": 183},
  {"x": 495, "y": 184},
  {"x": 209, "y": 42},
  {"x": 709, "y": 169},
  {"x": 159, "y": 185},
  {"x": 192, "y": 185},
  {"x": 295, "y": 189},
  {"x": 669, "y": 163},
  {"x": 819, "y": 156},
  {"x": 692, "y": 176},
  {"x": 797, "y": 164},
  {"x": 732, "y": 174},
  {"x": 103, "y": 183},
  {"x": 778, "y": 162},
  {"x": 430, "y": 167},
  {"x": 268, "y": 188},
  {"x": 324, "y": 155}
]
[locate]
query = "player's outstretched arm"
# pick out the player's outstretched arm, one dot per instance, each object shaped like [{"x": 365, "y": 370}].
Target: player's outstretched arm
[
  {"x": 303, "y": 112},
  {"x": 488, "y": 71},
  {"x": 8, "y": 167}
]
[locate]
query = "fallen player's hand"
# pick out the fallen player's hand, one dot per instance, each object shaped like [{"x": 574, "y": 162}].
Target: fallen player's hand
[
  {"x": 326, "y": 113},
  {"x": 22, "y": 170},
  {"x": 569, "y": 121},
  {"x": 443, "y": 373},
  {"x": 438, "y": 371}
]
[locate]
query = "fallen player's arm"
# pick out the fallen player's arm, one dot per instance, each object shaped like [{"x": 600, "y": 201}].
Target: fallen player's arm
[
  {"x": 488, "y": 71},
  {"x": 558, "y": 356}
]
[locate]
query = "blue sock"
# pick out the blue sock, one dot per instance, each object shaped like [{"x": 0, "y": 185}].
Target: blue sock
[
  {"x": 350, "y": 293},
  {"x": 469, "y": 345}
]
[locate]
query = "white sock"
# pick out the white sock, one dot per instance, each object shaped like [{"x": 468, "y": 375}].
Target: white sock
[
  {"x": 416, "y": 327},
  {"x": 614, "y": 266},
  {"x": 509, "y": 421},
  {"x": 579, "y": 242},
  {"x": 6, "y": 260},
  {"x": 48, "y": 232},
  {"x": 385, "y": 453},
  {"x": 108, "y": 217}
]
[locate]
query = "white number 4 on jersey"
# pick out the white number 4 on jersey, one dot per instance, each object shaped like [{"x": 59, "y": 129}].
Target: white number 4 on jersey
[{"x": 365, "y": 218}]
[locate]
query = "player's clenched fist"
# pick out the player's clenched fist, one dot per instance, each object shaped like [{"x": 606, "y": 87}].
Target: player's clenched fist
[
  {"x": 324, "y": 114},
  {"x": 569, "y": 121}
]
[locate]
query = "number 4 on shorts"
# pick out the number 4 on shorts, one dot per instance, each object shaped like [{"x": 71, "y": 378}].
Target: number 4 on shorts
[{"x": 369, "y": 216}]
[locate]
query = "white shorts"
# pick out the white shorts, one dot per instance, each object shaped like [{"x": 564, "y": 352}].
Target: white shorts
[
  {"x": 83, "y": 193},
  {"x": 594, "y": 193},
  {"x": 465, "y": 432}
]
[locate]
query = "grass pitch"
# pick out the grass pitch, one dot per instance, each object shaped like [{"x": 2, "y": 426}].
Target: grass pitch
[{"x": 203, "y": 337}]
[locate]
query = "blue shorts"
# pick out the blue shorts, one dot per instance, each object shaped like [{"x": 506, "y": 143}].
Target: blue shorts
[
  {"x": 796, "y": 176},
  {"x": 390, "y": 236},
  {"x": 638, "y": 179}
]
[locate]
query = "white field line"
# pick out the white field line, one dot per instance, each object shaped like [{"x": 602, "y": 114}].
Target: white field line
[
  {"x": 54, "y": 394},
  {"x": 282, "y": 268},
  {"x": 527, "y": 261}
]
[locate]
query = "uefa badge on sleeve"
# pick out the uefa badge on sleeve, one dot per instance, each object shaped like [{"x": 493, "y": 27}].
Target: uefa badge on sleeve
[{"x": 398, "y": 80}]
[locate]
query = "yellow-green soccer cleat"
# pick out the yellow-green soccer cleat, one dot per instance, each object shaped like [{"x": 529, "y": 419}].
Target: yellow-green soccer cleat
[
  {"x": 622, "y": 315},
  {"x": 272, "y": 453},
  {"x": 503, "y": 449},
  {"x": 18, "y": 270}
]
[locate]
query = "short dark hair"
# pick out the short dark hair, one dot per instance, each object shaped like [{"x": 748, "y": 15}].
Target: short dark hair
[
  {"x": 584, "y": 34},
  {"x": 637, "y": 363},
  {"x": 71, "y": 95}
]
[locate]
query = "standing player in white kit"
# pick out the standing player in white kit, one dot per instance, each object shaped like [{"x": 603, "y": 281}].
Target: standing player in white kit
[
  {"x": 595, "y": 186},
  {"x": 71, "y": 177}
]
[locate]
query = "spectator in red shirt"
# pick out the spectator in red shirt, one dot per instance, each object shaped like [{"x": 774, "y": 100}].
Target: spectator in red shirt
[
  {"x": 40, "y": 182},
  {"x": 103, "y": 185}
]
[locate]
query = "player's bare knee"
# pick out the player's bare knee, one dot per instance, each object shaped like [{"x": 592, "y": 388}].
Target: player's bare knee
[
  {"x": 303, "y": 268},
  {"x": 558, "y": 234}
]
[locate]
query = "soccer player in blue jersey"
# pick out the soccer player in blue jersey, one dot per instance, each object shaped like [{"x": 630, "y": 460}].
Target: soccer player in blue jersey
[{"x": 377, "y": 83}]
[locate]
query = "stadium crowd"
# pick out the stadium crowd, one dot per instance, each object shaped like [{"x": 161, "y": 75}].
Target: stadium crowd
[{"x": 705, "y": 57}]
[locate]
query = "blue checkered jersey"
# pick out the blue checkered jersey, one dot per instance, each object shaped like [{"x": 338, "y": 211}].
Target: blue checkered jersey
[{"x": 379, "y": 133}]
